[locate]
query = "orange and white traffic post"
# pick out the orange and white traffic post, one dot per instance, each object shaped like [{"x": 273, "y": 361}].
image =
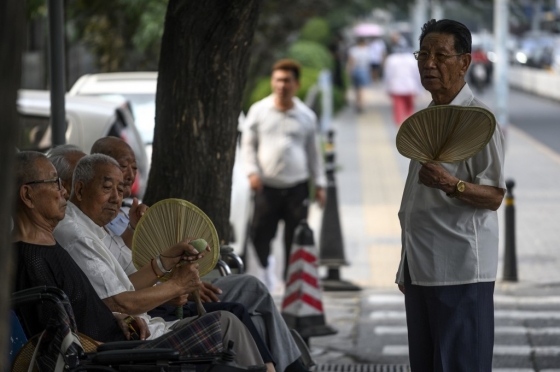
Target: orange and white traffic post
[{"x": 302, "y": 308}]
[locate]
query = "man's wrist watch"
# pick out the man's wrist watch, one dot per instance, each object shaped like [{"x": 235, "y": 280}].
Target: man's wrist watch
[{"x": 459, "y": 188}]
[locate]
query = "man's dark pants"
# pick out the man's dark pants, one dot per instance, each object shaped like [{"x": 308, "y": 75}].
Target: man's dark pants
[
  {"x": 450, "y": 328},
  {"x": 271, "y": 206}
]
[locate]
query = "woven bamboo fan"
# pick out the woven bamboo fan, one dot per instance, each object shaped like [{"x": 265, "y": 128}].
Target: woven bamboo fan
[
  {"x": 445, "y": 133},
  {"x": 168, "y": 222}
]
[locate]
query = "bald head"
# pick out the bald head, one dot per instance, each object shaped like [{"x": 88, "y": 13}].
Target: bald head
[{"x": 123, "y": 154}]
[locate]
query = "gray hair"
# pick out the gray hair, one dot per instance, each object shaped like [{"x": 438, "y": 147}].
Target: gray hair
[
  {"x": 85, "y": 168},
  {"x": 25, "y": 168},
  {"x": 58, "y": 157}
]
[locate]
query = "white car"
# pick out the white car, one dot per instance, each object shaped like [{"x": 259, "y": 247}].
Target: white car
[
  {"x": 87, "y": 118},
  {"x": 139, "y": 89}
]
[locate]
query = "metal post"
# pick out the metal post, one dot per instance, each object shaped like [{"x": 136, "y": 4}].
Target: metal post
[
  {"x": 325, "y": 85},
  {"x": 57, "y": 80},
  {"x": 436, "y": 10},
  {"x": 501, "y": 84},
  {"x": 510, "y": 258},
  {"x": 418, "y": 15},
  {"x": 331, "y": 244}
]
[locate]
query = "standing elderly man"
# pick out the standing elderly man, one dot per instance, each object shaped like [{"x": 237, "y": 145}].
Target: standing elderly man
[
  {"x": 450, "y": 226},
  {"x": 281, "y": 154},
  {"x": 244, "y": 289}
]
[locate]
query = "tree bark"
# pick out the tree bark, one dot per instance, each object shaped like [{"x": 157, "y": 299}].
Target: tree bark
[
  {"x": 12, "y": 31},
  {"x": 202, "y": 73}
]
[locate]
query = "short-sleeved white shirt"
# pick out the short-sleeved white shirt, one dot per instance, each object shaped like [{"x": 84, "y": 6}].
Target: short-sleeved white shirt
[
  {"x": 444, "y": 240},
  {"x": 83, "y": 239}
]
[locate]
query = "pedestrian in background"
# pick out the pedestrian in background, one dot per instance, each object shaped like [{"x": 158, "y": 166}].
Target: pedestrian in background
[
  {"x": 377, "y": 52},
  {"x": 449, "y": 224},
  {"x": 358, "y": 68},
  {"x": 401, "y": 78},
  {"x": 281, "y": 153}
]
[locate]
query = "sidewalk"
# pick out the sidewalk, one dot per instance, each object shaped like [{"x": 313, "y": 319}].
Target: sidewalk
[{"x": 370, "y": 181}]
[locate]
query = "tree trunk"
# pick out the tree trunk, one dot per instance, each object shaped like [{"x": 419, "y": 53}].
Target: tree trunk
[
  {"x": 12, "y": 31},
  {"x": 202, "y": 72}
]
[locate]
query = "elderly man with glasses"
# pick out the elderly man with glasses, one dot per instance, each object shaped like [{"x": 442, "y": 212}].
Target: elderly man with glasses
[
  {"x": 450, "y": 226},
  {"x": 40, "y": 206}
]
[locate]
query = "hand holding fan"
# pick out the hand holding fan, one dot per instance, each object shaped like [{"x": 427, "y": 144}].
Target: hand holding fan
[
  {"x": 445, "y": 133},
  {"x": 168, "y": 222}
]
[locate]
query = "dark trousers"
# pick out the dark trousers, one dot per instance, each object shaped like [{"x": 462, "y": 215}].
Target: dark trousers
[
  {"x": 189, "y": 309},
  {"x": 271, "y": 206},
  {"x": 450, "y": 328}
]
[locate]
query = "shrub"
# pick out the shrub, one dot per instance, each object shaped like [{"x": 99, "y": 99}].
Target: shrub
[
  {"x": 311, "y": 54},
  {"x": 317, "y": 30}
]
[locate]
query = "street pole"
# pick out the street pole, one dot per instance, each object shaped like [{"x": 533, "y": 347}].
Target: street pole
[
  {"x": 419, "y": 11},
  {"x": 436, "y": 10},
  {"x": 57, "y": 80},
  {"x": 510, "y": 255},
  {"x": 501, "y": 84}
]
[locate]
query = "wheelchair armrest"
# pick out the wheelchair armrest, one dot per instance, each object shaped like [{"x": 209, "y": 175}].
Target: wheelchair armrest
[
  {"x": 120, "y": 345},
  {"x": 40, "y": 290},
  {"x": 135, "y": 356}
]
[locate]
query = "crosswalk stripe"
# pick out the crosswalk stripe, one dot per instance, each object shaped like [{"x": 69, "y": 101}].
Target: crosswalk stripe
[
  {"x": 397, "y": 330},
  {"x": 524, "y": 350},
  {"x": 504, "y": 314},
  {"x": 498, "y": 300},
  {"x": 402, "y": 350}
]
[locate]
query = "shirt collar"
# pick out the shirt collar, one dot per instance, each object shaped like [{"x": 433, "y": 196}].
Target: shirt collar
[
  {"x": 463, "y": 98},
  {"x": 81, "y": 218}
]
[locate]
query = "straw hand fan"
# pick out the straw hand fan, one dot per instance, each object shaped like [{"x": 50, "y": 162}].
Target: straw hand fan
[
  {"x": 168, "y": 222},
  {"x": 445, "y": 133}
]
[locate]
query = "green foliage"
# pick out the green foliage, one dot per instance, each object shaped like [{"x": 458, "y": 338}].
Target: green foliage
[
  {"x": 311, "y": 54},
  {"x": 317, "y": 30}
]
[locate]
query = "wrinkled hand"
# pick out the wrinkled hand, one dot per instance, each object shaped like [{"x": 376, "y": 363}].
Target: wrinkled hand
[
  {"x": 139, "y": 325},
  {"x": 255, "y": 182},
  {"x": 136, "y": 212},
  {"x": 187, "y": 278},
  {"x": 435, "y": 176},
  {"x": 320, "y": 196},
  {"x": 181, "y": 251},
  {"x": 178, "y": 301},
  {"x": 208, "y": 293}
]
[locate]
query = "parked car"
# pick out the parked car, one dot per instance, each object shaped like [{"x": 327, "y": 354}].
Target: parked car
[
  {"x": 87, "y": 118},
  {"x": 139, "y": 89}
]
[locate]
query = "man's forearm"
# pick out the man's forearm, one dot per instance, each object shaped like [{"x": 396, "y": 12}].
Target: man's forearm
[
  {"x": 479, "y": 196},
  {"x": 141, "y": 301}
]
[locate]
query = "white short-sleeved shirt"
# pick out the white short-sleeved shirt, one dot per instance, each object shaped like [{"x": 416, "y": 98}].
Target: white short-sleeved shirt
[
  {"x": 83, "y": 240},
  {"x": 282, "y": 147},
  {"x": 444, "y": 240}
]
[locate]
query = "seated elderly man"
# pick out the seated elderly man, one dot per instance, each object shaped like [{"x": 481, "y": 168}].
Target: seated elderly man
[
  {"x": 244, "y": 289},
  {"x": 40, "y": 206}
]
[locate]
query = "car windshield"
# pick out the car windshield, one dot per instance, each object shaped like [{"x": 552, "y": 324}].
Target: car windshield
[{"x": 144, "y": 110}]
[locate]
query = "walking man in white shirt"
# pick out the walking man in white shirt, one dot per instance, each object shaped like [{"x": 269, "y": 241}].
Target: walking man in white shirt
[
  {"x": 281, "y": 155},
  {"x": 450, "y": 227}
]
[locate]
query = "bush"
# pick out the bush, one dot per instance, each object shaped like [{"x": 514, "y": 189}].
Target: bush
[
  {"x": 316, "y": 30},
  {"x": 311, "y": 54}
]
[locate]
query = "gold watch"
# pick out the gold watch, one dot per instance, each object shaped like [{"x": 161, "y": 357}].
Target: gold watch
[{"x": 459, "y": 188}]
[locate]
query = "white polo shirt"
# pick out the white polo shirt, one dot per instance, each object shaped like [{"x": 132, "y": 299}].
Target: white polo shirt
[
  {"x": 282, "y": 147},
  {"x": 83, "y": 240},
  {"x": 444, "y": 240}
]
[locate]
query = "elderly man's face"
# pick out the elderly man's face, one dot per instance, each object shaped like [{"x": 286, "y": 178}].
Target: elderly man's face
[
  {"x": 48, "y": 199},
  {"x": 101, "y": 198},
  {"x": 443, "y": 73},
  {"x": 127, "y": 161}
]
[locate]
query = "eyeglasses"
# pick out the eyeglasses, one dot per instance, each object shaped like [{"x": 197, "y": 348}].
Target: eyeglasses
[
  {"x": 422, "y": 56},
  {"x": 50, "y": 180}
]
